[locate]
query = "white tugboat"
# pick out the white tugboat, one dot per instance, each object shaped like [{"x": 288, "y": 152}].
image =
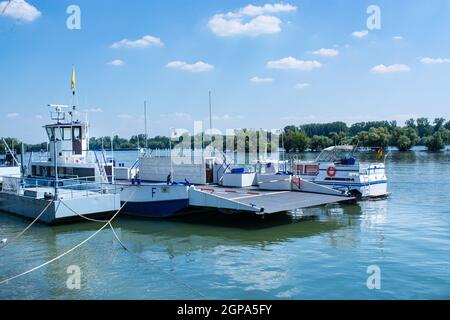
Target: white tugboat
[
  {"x": 337, "y": 167},
  {"x": 69, "y": 182}
]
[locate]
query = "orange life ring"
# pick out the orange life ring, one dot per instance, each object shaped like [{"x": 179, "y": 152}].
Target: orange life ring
[{"x": 331, "y": 171}]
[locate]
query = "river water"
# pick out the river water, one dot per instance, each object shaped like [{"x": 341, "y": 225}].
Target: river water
[{"x": 320, "y": 253}]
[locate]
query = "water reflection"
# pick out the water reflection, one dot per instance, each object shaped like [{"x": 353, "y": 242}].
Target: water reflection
[
  {"x": 319, "y": 252},
  {"x": 197, "y": 232}
]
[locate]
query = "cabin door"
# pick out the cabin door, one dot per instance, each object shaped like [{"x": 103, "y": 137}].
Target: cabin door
[
  {"x": 76, "y": 141},
  {"x": 209, "y": 171}
]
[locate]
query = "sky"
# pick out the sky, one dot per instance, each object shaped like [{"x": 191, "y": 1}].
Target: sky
[{"x": 267, "y": 64}]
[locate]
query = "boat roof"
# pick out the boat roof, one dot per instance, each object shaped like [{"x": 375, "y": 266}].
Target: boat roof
[
  {"x": 340, "y": 148},
  {"x": 67, "y": 124}
]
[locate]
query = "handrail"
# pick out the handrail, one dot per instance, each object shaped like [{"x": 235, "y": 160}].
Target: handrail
[{"x": 10, "y": 151}]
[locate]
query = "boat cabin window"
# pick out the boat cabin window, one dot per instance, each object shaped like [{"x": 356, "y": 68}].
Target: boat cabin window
[
  {"x": 77, "y": 133},
  {"x": 58, "y": 134},
  {"x": 337, "y": 155},
  {"x": 51, "y": 134},
  {"x": 67, "y": 134},
  {"x": 312, "y": 169}
]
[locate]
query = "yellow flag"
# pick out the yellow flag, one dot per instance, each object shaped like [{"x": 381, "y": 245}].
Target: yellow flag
[
  {"x": 380, "y": 153},
  {"x": 72, "y": 85}
]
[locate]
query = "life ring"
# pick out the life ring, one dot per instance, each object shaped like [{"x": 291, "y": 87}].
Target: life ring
[{"x": 331, "y": 171}]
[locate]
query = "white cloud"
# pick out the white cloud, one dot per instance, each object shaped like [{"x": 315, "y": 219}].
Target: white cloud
[
  {"x": 116, "y": 63},
  {"x": 199, "y": 66},
  {"x": 326, "y": 52},
  {"x": 398, "y": 38},
  {"x": 145, "y": 41},
  {"x": 250, "y": 20},
  {"x": 225, "y": 27},
  {"x": 428, "y": 60},
  {"x": 261, "y": 80},
  {"x": 301, "y": 86},
  {"x": 360, "y": 34},
  {"x": 381, "y": 68},
  {"x": 293, "y": 63},
  {"x": 252, "y": 10},
  {"x": 12, "y": 115},
  {"x": 39, "y": 117},
  {"x": 20, "y": 10}
]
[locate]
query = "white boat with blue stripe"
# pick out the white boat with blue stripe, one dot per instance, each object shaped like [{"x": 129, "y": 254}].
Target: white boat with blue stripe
[{"x": 338, "y": 168}]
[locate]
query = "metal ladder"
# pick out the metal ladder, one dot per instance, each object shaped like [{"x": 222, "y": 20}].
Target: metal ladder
[{"x": 101, "y": 169}]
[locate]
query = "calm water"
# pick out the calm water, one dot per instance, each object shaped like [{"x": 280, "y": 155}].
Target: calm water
[{"x": 322, "y": 253}]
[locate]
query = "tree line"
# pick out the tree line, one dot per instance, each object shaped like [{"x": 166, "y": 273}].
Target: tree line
[
  {"x": 314, "y": 136},
  {"x": 317, "y": 136}
]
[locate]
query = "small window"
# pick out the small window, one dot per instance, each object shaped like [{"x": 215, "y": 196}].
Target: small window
[
  {"x": 58, "y": 134},
  {"x": 77, "y": 133},
  {"x": 51, "y": 134},
  {"x": 67, "y": 133},
  {"x": 311, "y": 169}
]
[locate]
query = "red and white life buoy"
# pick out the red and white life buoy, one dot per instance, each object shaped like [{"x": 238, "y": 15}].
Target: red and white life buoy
[{"x": 331, "y": 171}]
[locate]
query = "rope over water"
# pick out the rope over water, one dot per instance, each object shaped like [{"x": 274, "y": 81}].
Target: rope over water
[
  {"x": 125, "y": 248},
  {"x": 71, "y": 249},
  {"x": 28, "y": 227}
]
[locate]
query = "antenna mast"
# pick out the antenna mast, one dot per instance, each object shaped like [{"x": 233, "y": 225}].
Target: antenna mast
[
  {"x": 210, "y": 115},
  {"x": 145, "y": 116}
]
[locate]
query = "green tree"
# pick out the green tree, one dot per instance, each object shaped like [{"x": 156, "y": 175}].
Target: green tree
[
  {"x": 404, "y": 138},
  {"x": 296, "y": 141},
  {"x": 375, "y": 137},
  {"x": 447, "y": 125},
  {"x": 424, "y": 127},
  {"x": 435, "y": 142},
  {"x": 318, "y": 143},
  {"x": 411, "y": 123},
  {"x": 438, "y": 124}
]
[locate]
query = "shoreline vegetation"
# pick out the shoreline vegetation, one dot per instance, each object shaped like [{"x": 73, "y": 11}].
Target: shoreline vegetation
[{"x": 314, "y": 137}]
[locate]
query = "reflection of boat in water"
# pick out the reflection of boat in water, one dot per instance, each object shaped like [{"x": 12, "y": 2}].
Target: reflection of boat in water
[
  {"x": 337, "y": 167},
  {"x": 239, "y": 251},
  {"x": 206, "y": 230}
]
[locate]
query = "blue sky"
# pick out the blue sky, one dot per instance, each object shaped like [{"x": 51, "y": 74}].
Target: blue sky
[{"x": 263, "y": 63}]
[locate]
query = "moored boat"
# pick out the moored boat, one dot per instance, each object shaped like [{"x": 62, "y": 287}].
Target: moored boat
[{"x": 338, "y": 168}]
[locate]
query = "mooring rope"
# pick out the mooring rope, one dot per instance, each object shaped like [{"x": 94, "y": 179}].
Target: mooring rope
[
  {"x": 71, "y": 249},
  {"x": 125, "y": 248},
  {"x": 28, "y": 227}
]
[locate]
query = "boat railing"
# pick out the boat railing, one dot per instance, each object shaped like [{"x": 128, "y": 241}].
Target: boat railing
[
  {"x": 89, "y": 158},
  {"x": 63, "y": 188}
]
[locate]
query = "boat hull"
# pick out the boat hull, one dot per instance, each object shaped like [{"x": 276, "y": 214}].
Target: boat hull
[
  {"x": 376, "y": 189},
  {"x": 154, "y": 200},
  {"x": 155, "y": 209}
]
